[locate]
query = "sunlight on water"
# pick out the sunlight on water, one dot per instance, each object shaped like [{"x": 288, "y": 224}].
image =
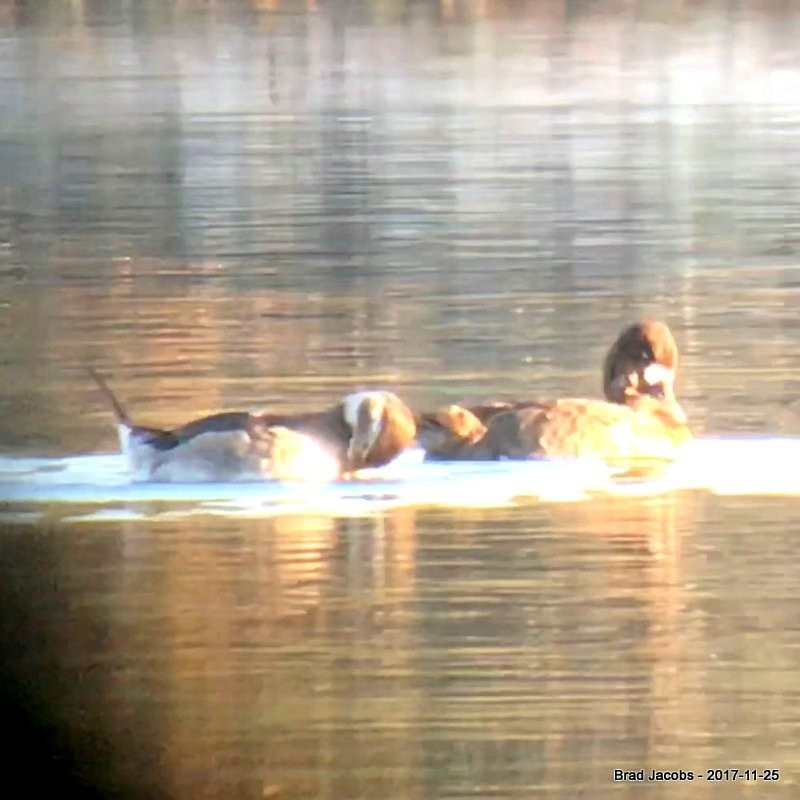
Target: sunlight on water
[
  {"x": 407, "y": 481},
  {"x": 726, "y": 466},
  {"x": 741, "y": 466}
]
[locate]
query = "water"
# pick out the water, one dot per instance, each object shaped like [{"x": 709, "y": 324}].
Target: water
[
  {"x": 743, "y": 466},
  {"x": 231, "y": 205}
]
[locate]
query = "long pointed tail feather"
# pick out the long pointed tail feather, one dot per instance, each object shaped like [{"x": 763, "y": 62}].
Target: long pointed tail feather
[{"x": 119, "y": 411}]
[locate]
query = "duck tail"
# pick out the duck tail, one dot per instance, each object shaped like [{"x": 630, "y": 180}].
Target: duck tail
[{"x": 119, "y": 411}]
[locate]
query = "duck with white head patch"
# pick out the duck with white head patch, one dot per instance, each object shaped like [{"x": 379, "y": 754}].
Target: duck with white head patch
[
  {"x": 639, "y": 421},
  {"x": 367, "y": 429},
  {"x": 642, "y": 361}
]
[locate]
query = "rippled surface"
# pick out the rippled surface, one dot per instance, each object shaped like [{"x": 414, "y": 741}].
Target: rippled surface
[
  {"x": 237, "y": 205},
  {"x": 430, "y": 653}
]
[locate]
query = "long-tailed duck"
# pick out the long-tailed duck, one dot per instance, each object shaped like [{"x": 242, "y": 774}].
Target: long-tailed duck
[{"x": 367, "y": 429}]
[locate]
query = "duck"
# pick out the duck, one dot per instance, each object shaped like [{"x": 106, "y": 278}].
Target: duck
[
  {"x": 367, "y": 429},
  {"x": 643, "y": 361},
  {"x": 639, "y": 421}
]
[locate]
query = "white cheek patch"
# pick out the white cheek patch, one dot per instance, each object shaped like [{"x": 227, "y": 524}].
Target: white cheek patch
[
  {"x": 362, "y": 439},
  {"x": 655, "y": 374},
  {"x": 351, "y": 406}
]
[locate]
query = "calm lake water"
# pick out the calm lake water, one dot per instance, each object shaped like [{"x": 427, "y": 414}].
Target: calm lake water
[{"x": 269, "y": 204}]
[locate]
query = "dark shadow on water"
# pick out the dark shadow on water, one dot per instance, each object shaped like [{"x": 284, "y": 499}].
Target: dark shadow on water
[{"x": 65, "y": 731}]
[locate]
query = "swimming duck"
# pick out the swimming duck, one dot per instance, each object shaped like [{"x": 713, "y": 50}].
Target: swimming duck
[
  {"x": 640, "y": 420},
  {"x": 367, "y": 429}
]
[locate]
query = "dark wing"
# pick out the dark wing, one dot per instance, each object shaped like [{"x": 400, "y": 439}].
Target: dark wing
[
  {"x": 215, "y": 423},
  {"x": 224, "y": 422}
]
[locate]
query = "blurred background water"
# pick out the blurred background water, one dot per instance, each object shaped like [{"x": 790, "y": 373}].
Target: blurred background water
[{"x": 269, "y": 203}]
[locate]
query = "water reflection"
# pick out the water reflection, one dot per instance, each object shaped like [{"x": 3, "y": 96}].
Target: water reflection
[{"x": 425, "y": 652}]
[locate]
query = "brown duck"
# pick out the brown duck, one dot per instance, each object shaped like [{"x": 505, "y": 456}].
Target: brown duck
[{"x": 640, "y": 420}]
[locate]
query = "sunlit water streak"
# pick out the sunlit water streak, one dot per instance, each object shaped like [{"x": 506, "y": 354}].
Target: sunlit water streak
[{"x": 725, "y": 466}]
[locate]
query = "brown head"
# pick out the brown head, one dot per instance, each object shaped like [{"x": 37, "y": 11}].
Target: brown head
[
  {"x": 447, "y": 430},
  {"x": 381, "y": 426},
  {"x": 642, "y": 361}
]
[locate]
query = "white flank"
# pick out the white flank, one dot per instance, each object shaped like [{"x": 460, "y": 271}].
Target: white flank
[
  {"x": 310, "y": 461},
  {"x": 352, "y": 403}
]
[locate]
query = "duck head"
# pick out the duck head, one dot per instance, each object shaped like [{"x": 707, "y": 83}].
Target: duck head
[
  {"x": 448, "y": 429},
  {"x": 642, "y": 361},
  {"x": 381, "y": 426}
]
